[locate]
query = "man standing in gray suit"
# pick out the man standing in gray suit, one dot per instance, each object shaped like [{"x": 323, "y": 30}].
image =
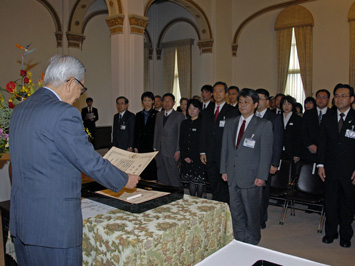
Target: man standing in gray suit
[
  {"x": 166, "y": 141},
  {"x": 245, "y": 164},
  {"x": 49, "y": 149}
]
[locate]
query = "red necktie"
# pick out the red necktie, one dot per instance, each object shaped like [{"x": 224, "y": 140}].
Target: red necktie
[
  {"x": 241, "y": 133},
  {"x": 216, "y": 113}
]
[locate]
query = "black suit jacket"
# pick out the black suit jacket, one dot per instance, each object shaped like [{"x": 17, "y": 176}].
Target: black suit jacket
[
  {"x": 292, "y": 137},
  {"x": 278, "y": 131},
  {"x": 123, "y": 131},
  {"x": 87, "y": 123},
  {"x": 310, "y": 133},
  {"x": 336, "y": 151},
  {"x": 144, "y": 133},
  {"x": 190, "y": 132},
  {"x": 212, "y": 132}
]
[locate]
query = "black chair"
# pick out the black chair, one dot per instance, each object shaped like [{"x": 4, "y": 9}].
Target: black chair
[
  {"x": 280, "y": 185},
  {"x": 308, "y": 191}
]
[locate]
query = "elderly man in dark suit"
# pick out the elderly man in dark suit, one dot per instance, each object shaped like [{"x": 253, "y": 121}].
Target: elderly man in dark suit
[
  {"x": 213, "y": 121},
  {"x": 263, "y": 112},
  {"x": 311, "y": 125},
  {"x": 90, "y": 115},
  {"x": 245, "y": 164},
  {"x": 123, "y": 125},
  {"x": 49, "y": 149},
  {"x": 336, "y": 166},
  {"x": 166, "y": 141}
]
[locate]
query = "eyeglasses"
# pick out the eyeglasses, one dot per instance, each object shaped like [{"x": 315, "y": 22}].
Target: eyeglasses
[
  {"x": 84, "y": 89},
  {"x": 343, "y": 96}
]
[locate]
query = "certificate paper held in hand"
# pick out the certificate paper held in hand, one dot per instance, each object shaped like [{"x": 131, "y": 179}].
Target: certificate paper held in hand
[{"x": 129, "y": 162}]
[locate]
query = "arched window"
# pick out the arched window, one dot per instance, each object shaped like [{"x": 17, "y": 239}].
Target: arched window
[{"x": 300, "y": 20}]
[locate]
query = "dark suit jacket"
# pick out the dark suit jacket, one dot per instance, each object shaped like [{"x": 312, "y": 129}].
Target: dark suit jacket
[
  {"x": 88, "y": 123},
  {"x": 278, "y": 131},
  {"x": 292, "y": 137},
  {"x": 49, "y": 149},
  {"x": 190, "y": 132},
  {"x": 245, "y": 164},
  {"x": 212, "y": 132},
  {"x": 335, "y": 151},
  {"x": 144, "y": 133},
  {"x": 310, "y": 133},
  {"x": 123, "y": 131},
  {"x": 166, "y": 138}
]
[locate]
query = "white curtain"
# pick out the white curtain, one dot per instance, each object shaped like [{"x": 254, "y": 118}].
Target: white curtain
[
  {"x": 283, "y": 43},
  {"x": 184, "y": 69},
  {"x": 168, "y": 65},
  {"x": 304, "y": 42}
]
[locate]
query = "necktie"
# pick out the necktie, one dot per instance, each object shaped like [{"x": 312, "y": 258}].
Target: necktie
[
  {"x": 89, "y": 109},
  {"x": 258, "y": 114},
  {"x": 216, "y": 113},
  {"x": 120, "y": 118},
  {"x": 341, "y": 122},
  {"x": 278, "y": 112},
  {"x": 165, "y": 118},
  {"x": 241, "y": 133},
  {"x": 204, "y": 106},
  {"x": 320, "y": 117}
]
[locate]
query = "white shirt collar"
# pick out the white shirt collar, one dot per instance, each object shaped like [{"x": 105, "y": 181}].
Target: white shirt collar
[
  {"x": 262, "y": 113},
  {"x": 286, "y": 119},
  {"x": 220, "y": 107},
  {"x": 324, "y": 110},
  {"x": 345, "y": 114},
  {"x": 167, "y": 112},
  {"x": 54, "y": 93},
  {"x": 122, "y": 114}
]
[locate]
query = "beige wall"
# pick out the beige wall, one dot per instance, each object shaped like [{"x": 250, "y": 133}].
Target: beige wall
[{"x": 26, "y": 21}]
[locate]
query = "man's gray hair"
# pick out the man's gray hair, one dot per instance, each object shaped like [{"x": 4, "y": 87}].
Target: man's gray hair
[{"x": 61, "y": 68}]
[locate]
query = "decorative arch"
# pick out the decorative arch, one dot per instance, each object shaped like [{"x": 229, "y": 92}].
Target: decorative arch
[
  {"x": 148, "y": 43},
  {"x": 203, "y": 25},
  {"x": 56, "y": 20},
  {"x": 78, "y": 19},
  {"x": 258, "y": 14},
  {"x": 166, "y": 29}
]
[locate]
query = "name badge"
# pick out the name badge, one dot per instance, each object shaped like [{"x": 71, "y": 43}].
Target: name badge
[
  {"x": 249, "y": 142},
  {"x": 193, "y": 129},
  {"x": 291, "y": 124},
  {"x": 350, "y": 133},
  {"x": 221, "y": 123},
  {"x": 123, "y": 127}
]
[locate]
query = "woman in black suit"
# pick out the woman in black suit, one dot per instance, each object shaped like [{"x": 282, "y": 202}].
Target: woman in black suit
[
  {"x": 292, "y": 142},
  {"x": 144, "y": 133},
  {"x": 192, "y": 170}
]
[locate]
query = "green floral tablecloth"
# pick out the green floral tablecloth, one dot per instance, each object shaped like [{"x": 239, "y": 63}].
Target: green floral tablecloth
[{"x": 183, "y": 232}]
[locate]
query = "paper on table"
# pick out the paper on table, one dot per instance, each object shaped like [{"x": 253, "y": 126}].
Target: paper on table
[
  {"x": 129, "y": 162},
  {"x": 132, "y": 196},
  {"x": 92, "y": 208}
]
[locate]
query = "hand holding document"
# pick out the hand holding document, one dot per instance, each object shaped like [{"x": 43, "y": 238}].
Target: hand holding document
[{"x": 129, "y": 162}]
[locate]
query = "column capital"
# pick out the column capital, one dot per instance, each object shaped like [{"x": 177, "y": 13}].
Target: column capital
[
  {"x": 205, "y": 46},
  {"x": 59, "y": 38},
  {"x": 115, "y": 23},
  {"x": 138, "y": 23},
  {"x": 75, "y": 40}
]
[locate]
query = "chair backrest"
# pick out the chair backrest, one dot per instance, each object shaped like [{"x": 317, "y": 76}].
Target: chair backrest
[
  {"x": 309, "y": 182},
  {"x": 282, "y": 178}
]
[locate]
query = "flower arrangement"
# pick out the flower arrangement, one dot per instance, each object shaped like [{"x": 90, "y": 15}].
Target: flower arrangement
[{"x": 19, "y": 90}]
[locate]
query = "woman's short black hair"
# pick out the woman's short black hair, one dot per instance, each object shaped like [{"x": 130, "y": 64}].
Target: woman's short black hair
[
  {"x": 147, "y": 94},
  {"x": 310, "y": 100},
  {"x": 289, "y": 99}
]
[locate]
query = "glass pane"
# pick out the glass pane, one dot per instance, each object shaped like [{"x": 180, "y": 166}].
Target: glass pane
[{"x": 176, "y": 87}]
